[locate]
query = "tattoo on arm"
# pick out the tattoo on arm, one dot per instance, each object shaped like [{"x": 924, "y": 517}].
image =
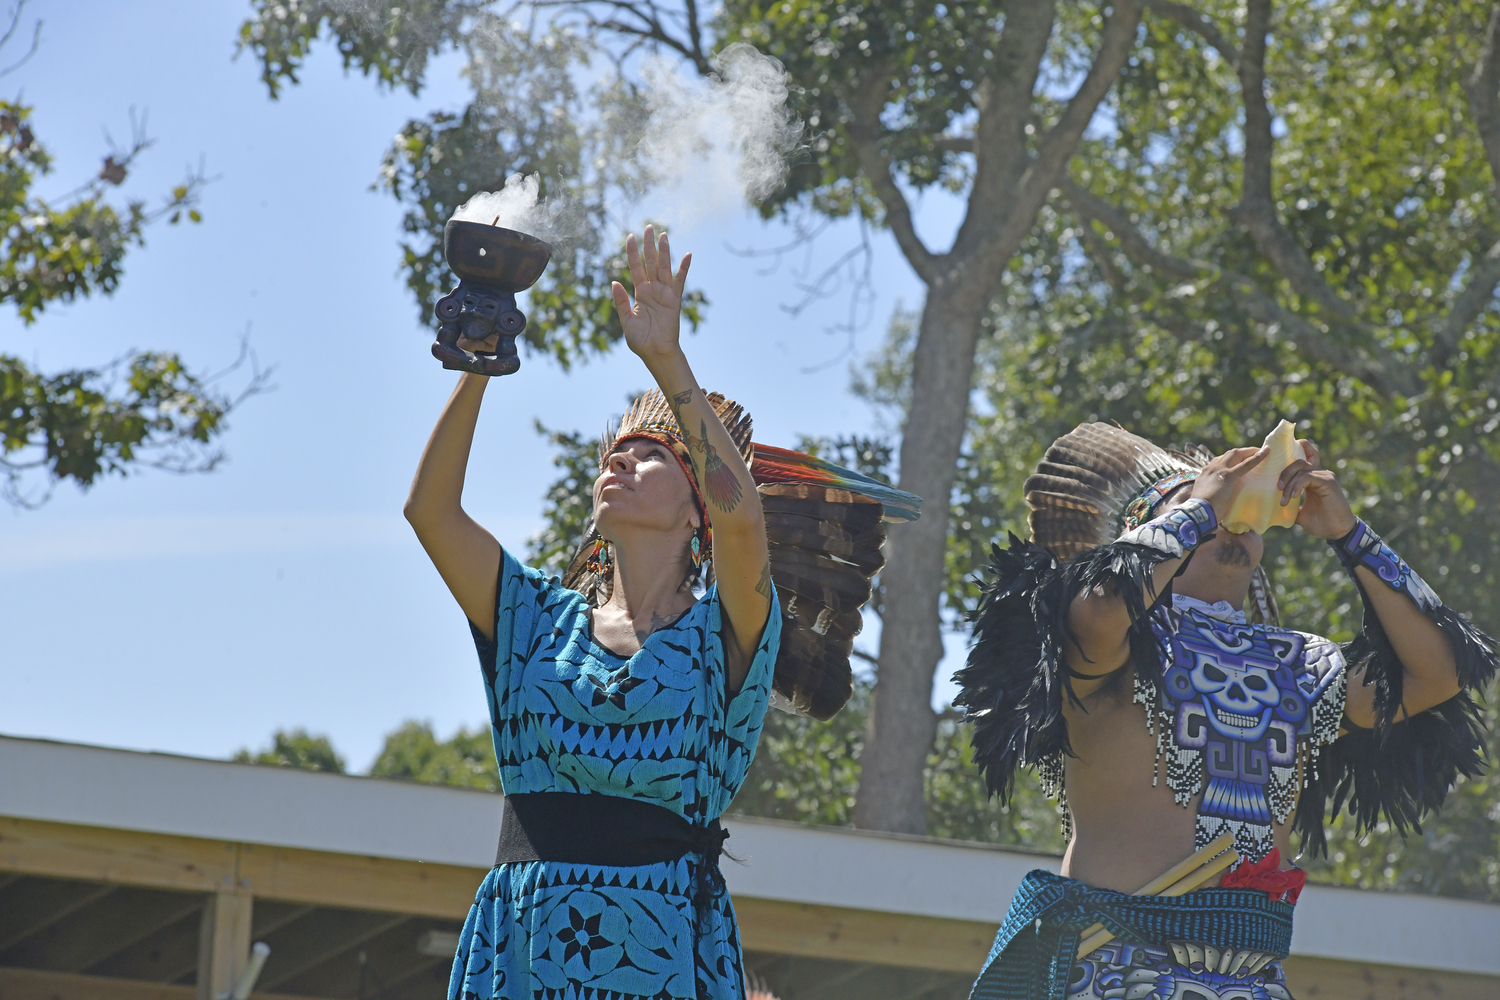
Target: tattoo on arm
[
  {"x": 763, "y": 588},
  {"x": 720, "y": 484}
]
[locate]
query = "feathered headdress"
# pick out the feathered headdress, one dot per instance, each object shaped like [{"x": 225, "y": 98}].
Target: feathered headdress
[
  {"x": 825, "y": 527},
  {"x": 1098, "y": 481}
]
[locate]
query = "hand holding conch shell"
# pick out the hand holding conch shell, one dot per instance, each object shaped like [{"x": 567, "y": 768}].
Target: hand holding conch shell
[
  {"x": 1219, "y": 481},
  {"x": 1325, "y": 510},
  {"x": 1259, "y": 504},
  {"x": 1288, "y": 487}
]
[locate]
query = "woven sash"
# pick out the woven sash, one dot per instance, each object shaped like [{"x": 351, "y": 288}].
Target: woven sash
[{"x": 1034, "y": 952}]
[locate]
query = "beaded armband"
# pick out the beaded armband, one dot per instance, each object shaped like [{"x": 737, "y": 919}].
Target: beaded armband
[
  {"x": 1362, "y": 547},
  {"x": 1178, "y": 531}
]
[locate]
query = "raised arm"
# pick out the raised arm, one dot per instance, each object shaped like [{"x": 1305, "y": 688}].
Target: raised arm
[
  {"x": 1099, "y": 617},
  {"x": 742, "y": 565},
  {"x": 1399, "y": 598},
  {"x": 465, "y": 554}
]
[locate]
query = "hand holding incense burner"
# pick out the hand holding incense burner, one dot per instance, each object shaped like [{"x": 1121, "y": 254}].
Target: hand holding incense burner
[{"x": 492, "y": 265}]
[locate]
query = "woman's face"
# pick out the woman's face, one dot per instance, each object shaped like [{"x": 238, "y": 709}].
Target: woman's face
[{"x": 643, "y": 486}]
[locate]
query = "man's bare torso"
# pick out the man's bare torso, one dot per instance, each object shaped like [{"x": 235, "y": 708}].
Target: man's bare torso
[{"x": 1125, "y": 830}]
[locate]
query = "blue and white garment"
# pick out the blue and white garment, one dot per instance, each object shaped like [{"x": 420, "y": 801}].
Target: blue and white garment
[
  {"x": 1241, "y": 711},
  {"x": 569, "y": 715}
]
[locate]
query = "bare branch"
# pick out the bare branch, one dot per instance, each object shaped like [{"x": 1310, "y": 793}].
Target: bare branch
[
  {"x": 1057, "y": 146},
  {"x": 650, "y": 26},
  {"x": 865, "y": 132},
  {"x": 1135, "y": 245},
  {"x": 1009, "y": 212},
  {"x": 36, "y": 38},
  {"x": 1386, "y": 376},
  {"x": 1198, "y": 23},
  {"x": 1005, "y": 95},
  {"x": 954, "y": 144},
  {"x": 1099, "y": 252},
  {"x": 1257, "y": 208}
]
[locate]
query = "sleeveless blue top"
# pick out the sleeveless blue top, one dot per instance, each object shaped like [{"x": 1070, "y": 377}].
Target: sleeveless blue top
[{"x": 569, "y": 715}]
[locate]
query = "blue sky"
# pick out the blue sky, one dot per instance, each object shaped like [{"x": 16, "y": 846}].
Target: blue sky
[{"x": 197, "y": 614}]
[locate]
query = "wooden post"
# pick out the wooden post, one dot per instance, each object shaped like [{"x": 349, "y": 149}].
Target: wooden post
[{"x": 223, "y": 944}]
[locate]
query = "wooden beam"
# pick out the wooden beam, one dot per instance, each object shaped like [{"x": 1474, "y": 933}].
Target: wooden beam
[
  {"x": 317, "y": 878},
  {"x": 120, "y": 857},
  {"x": 37, "y": 984},
  {"x": 393, "y": 960},
  {"x": 863, "y": 935},
  {"x": 1326, "y": 979},
  {"x": 161, "y": 861},
  {"x": 347, "y": 880},
  {"x": 169, "y": 955},
  {"x": 223, "y": 944}
]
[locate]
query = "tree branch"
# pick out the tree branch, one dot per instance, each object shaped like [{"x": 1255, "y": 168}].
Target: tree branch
[
  {"x": 1000, "y": 216},
  {"x": 1136, "y": 246},
  {"x": 953, "y": 144},
  {"x": 1257, "y": 208},
  {"x": 1478, "y": 292},
  {"x": 1385, "y": 373},
  {"x": 1057, "y": 145},
  {"x": 1482, "y": 87},
  {"x": 1200, "y": 24},
  {"x": 865, "y": 133}
]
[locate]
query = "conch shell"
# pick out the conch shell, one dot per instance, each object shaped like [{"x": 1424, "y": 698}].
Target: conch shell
[{"x": 1257, "y": 506}]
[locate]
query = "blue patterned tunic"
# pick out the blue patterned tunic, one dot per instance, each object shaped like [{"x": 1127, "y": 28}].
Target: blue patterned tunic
[{"x": 570, "y": 716}]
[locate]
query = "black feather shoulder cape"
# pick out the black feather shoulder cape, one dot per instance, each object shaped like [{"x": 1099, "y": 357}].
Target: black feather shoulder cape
[{"x": 1014, "y": 683}]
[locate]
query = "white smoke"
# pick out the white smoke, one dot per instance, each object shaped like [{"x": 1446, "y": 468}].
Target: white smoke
[
  {"x": 699, "y": 148},
  {"x": 519, "y": 206},
  {"x": 712, "y": 145}
]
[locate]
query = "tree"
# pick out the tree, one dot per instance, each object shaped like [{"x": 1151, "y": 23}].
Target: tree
[
  {"x": 296, "y": 748},
  {"x": 415, "y": 753},
  {"x": 145, "y": 409}
]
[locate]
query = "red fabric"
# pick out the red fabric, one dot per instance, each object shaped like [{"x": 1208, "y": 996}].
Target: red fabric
[{"x": 1265, "y": 875}]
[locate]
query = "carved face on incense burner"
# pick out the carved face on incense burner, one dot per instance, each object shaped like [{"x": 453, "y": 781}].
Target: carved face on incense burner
[{"x": 492, "y": 265}]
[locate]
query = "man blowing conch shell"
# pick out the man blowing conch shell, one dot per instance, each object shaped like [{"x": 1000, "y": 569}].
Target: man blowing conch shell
[{"x": 1114, "y": 653}]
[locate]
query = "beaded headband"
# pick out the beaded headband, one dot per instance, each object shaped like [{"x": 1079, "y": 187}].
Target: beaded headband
[{"x": 1138, "y": 511}]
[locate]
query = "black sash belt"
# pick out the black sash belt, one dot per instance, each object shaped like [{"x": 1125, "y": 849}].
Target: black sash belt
[{"x": 607, "y": 830}]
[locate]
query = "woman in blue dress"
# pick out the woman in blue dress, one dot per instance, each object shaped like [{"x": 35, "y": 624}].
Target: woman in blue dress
[{"x": 624, "y": 718}]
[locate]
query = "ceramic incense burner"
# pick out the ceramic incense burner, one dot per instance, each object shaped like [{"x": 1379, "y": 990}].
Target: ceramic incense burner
[{"x": 492, "y": 265}]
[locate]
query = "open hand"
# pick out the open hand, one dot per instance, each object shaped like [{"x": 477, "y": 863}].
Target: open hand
[
  {"x": 1325, "y": 510},
  {"x": 653, "y": 324},
  {"x": 1219, "y": 481}
]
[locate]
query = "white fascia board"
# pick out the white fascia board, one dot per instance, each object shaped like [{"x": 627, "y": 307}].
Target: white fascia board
[
  {"x": 795, "y": 863},
  {"x": 246, "y": 803},
  {"x": 1398, "y": 928}
]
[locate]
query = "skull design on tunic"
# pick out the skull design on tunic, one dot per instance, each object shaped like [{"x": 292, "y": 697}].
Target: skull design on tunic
[{"x": 1233, "y": 673}]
